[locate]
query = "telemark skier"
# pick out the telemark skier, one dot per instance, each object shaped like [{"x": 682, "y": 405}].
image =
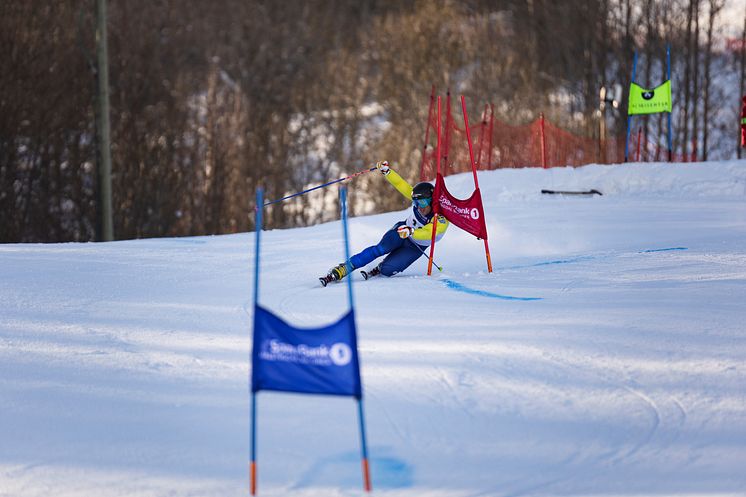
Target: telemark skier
[{"x": 405, "y": 242}]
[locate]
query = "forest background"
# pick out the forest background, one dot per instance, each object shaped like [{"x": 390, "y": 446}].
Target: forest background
[{"x": 211, "y": 99}]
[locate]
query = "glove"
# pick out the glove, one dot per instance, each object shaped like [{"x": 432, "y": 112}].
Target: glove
[
  {"x": 404, "y": 231},
  {"x": 383, "y": 166}
]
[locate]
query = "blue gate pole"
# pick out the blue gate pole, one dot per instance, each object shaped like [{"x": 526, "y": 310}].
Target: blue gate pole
[
  {"x": 363, "y": 447},
  {"x": 668, "y": 75},
  {"x": 343, "y": 202},
  {"x": 629, "y": 117},
  {"x": 257, "y": 234},
  {"x": 361, "y": 418}
]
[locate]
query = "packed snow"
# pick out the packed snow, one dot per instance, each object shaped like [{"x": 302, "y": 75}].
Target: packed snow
[{"x": 604, "y": 356}]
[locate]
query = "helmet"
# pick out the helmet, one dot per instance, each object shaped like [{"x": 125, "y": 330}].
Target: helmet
[{"x": 422, "y": 190}]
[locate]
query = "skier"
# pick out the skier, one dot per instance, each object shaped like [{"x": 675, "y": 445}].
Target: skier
[{"x": 405, "y": 242}]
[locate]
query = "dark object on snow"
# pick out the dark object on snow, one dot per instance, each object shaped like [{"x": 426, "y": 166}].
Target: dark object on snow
[{"x": 558, "y": 192}]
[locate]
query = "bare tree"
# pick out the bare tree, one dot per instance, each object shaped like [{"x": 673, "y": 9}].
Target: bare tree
[
  {"x": 715, "y": 7},
  {"x": 211, "y": 100}
]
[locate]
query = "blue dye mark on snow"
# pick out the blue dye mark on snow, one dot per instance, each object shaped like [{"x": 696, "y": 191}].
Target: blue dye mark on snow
[
  {"x": 391, "y": 472},
  {"x": 453, "y": 285},
  {"x": 662, "y": 250},
  {"x": 565, "y": 261},
  {"x": 583, "y": 258},
  {"x": 551, "y": 263},
  {"x": 343, "y": 469}
]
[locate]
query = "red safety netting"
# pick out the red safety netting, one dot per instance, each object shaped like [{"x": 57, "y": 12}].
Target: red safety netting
[
  {"x": 538, "y": 144},
  {"x": 643, "y": 150}
]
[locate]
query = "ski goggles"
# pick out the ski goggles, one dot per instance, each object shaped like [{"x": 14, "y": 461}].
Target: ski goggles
[{"x": 422, "y": 202}]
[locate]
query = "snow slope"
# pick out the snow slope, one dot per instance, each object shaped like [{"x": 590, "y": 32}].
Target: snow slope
[{"x": 605, "y": 356}]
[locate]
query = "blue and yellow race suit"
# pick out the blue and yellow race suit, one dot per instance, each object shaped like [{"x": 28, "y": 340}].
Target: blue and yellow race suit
[{"x": 402, "y": 252}]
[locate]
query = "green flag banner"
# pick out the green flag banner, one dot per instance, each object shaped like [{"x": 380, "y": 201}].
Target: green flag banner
[{"x": 644, "y": 101}]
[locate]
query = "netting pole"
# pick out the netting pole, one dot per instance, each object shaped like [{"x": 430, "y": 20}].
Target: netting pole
[
  {"x": 629, "y": 117},
  {"x": 482, "y": 130},
  {"x": 639, "y": 139},
  {"x": 474, "y": 172},
  {"x": 694, "y": 150},
  {"x": 543, "y": 141},
  {"x": 447, "y": 138},
  {"x": 435, "y": 201},
  {"x": 489, "y": 152},
  {"x": 427, "y": 134}
]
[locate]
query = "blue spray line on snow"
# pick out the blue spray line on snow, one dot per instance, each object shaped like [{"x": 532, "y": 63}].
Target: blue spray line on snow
[
  {"x": 454, "y": 285},
  {"x": 555, "y": 262},
  {"x": 661, "y": 250},
  {"x": 583, "y": 258}
]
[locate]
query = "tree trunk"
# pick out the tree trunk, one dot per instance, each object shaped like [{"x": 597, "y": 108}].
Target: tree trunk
[{"x": 696, "y": 83}]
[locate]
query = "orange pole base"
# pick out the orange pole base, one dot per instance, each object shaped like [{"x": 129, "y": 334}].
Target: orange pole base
[
  {"x": 253, "y": 478},
  {"x": 366, "y": 476},
  {"x": 489, "y": 259}
]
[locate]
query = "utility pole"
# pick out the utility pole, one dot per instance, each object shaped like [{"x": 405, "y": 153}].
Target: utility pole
[{"x": 106, "y": 233}]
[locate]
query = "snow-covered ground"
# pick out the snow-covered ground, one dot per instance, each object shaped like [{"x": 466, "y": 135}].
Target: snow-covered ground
[{"x": 124, "y": 366}]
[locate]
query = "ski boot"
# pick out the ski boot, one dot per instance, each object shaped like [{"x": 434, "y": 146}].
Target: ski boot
[
  {"x": 373, "y": 272},
  {"x": 335, "y": 274}
]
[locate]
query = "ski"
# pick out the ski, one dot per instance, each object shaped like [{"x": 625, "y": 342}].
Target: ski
[
  {"x": 369, "y": 274},
  {"x": 325, "y": 280}
]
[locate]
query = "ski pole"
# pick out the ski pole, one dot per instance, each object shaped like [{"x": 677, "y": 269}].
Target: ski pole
[
  {"x": 320, "y": 186},
  {"x": 428, "y": 257}
]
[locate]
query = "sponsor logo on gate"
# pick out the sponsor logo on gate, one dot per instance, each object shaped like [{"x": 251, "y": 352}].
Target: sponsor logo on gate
[
  {"x": 462, "y": 211},
  {"x": 338, "y": 354}
]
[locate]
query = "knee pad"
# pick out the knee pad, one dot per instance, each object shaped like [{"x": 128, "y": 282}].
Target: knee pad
[{"x": 388, "y": 269}]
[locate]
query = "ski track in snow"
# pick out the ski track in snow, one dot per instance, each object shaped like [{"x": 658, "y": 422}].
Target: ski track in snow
[{"x": 660, "y": 411}]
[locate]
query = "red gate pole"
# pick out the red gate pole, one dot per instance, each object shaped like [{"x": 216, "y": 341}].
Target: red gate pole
[
  {"x": 543, "y": 142},
  {"x": 435, "y": 202},
  {"x": 474, "y": 171},
  {"x": 427, "y": 134}
]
